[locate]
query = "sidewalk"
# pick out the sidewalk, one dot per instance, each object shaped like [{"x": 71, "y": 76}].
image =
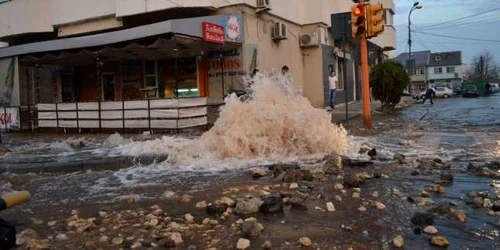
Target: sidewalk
[{"x": 355, "y": 109}]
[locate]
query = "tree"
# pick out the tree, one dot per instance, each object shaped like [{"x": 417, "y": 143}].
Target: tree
[
  {"x": 483, "y": 67},
  {"x": 388, "y": 81}
]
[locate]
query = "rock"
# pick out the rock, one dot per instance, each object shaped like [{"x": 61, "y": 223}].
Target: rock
[
  {"x": 338, "y": 186},
  {"x": 375, "y": 194},
  {"x": 415, "y": 172},
  {"x": 158, "y": 212},
  {"x": 117, "y": 241},
  {"x": 216, "y": 209},
  {"x": 272, "y": 205},
  {"x": 248, "y": 206},
  {"x": 379, "y": 205},
  {"x": 185, "y": 198},
  {"x": 207, "y": 221},
  {"x": 305, "y": 242},
  {"x": 267, "y": 245},
  {"x": 362, "y": 209},
  {"x": 136, "y": 245},
  {"x": 51, "y": 223},
  {"x": 257, "y": 172},
  {"x": 478, "y": 202},
  {"x": 332, "y": 164},
  {"x": 439, "y": 241},
  {"x": 330, "y": 207},
  {"x": 251, "y": 227},
  {"x": 294, "y": 185},
  {"x": 243, "y": 243},
  {"x": 438, "y": 160},
  {"x": 104, "y": 239},
  {"x": 424, "y": 194},
  {"x": 170, "y": 194},
  {"x": 430, "y": 230},
  {"x": 417, "y": 230},
  {"x": 304, "y": 190},
  {"x": 338, "y": 198},
  {"x": 446, "y": 177},
  {"x": 496, "y": 206},
  {"x": 351, "y": 180},
  {"x": 154, "y": 222},
  {"x": 177, "y": 238},
  {"x": 307, "y": 175},
  {"x": 410, "y": 199},
  {"x": 298, "y": 202},
  {"x": 459, "y": 214},
  {"x": 319, "y": 208},
  {"x": 103, "y": 214},
  {"x": 400, "y": 158},
  {"x": 440, "y": 189},
  {"x": 226, "y": 201},
  {"x": 372, "y": 152},
  {"x": 189, "y": 218},
  {"x": 201, "y": 205},
  {"x": 166, "y": 243},
  {"x": 399, "y": 241},
  {"x": 422, "y": 219},
  {"x": 61, "y": 237}
]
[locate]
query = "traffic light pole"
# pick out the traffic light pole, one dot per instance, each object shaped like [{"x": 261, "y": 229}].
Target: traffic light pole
[{"x": 365, "y": 80}]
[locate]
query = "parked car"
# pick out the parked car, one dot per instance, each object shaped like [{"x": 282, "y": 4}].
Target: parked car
[
  {"x": 470, "y": 91},
  {"x": 457, "y": 90},
  {"x": 443, "y": 92},
  {"x": 494, "y": 88}
]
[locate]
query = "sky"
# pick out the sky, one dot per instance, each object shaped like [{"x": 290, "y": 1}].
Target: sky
[{"x": 437, "y": 17}]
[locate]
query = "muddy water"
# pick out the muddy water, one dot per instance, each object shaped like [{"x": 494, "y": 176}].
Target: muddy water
[{"x": 457, "y": 131}]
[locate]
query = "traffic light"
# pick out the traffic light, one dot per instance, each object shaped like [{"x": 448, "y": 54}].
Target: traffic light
[
  {"x": 358, "y": 21},
  {"x": 374, "y": 20}
]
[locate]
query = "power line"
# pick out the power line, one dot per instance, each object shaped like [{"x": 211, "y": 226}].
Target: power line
[
  {"x": 457, "y": 37},
  {"x": 421, "y": 43},
  {"x": 462, "y": 18},
  {"x": 489, "y": 20}
]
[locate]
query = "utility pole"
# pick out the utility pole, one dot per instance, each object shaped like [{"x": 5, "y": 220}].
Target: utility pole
[
  {"x": 344, "y": 70},
  {"x": 414, "y": 7},
  {"x": 365, "y": 79},
  {"x": 481, "y": 68}
]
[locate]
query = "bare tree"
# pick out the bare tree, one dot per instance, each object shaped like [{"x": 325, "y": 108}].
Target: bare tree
[{"x": 483, "y": 67}]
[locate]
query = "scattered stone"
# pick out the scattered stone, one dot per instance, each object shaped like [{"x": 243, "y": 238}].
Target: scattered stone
[
  {"x": 61, "y": 237},
  {"x": 438, "y": 160},
  {"x": 104, "y": 239},
  {"x": 417, "y": 230},
  {"x": 304, "y": 190},
  {"x": 166, "y": 243},
  {"x": 362, "y": 209},
  {"x": 158, "y": 212},
  {"x": 136, "y": 245},
  {"x": 332, "y": 164},
  {"x": 117, "y": 241},
  {"x": 330, "y": 207},
  {"x": 351, "y": 180},
  {"x": 415, "y": 172},
  {"x": 185, "y": 198},
  {"x": 206, "y": 221},
  {"x": 201, "y": 205},
  {"x": 257, "y": 172},
  {"x": 177, "y": 238},
  {"x": 372, "y": 152},
  {"x": 305, "y": 242},
  {"x": 189, "y": 218},
  {"x": 267, "y": 245},
  {"x": 248, "y": 206},
  {"x": 496, "y": 206},
  {"x": 243, "y": 243},
  {"x": 478, "y": 202},
  {"x": 272, "y": 205},
  {"x": 379, "y": 205},
  {"x": 251, "y": 227},
  {"x": 459, "y": 214},
  {"x": 424, "y": 194},
  {"x": 410, "y": 199},
  {"x": 398, "y": 241},
  {"x": 216, "y": 209},
  {"x": 51, "y": 223},
  {"x": 422, "y": 219},
  {"x": 439, "y": 241},
  {"x": 307, "y": 175},
  {"x": 400, "y": 158},
  {"x": 338, "y": 198},
  {"x": 319, "y": 209},
  {"x": 430, "y": 230},
  {"x": 226, "y": 201},
  {"x": 298, "y": 202},
  {"x": 338, "y": 186},
  {"x": 170, "y": 194},
  {"x": 294, "y": 185},
  {"x": 154, "y": 222},
  {"x": 356, "y": 195},
  {"x": 439, "y": 189},
  {"x": 446, "y": 177}
]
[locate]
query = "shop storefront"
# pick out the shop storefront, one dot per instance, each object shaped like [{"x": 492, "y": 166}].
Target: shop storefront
[{"x": 158, "y": 76}]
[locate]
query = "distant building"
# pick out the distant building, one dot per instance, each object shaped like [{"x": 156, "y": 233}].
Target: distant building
[
  {"x": 419, "y": 78},
  {"x": 445, "y": 69}
]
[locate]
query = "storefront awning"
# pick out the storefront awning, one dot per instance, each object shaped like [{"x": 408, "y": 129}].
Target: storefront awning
[{"x": 191, "y": 27}]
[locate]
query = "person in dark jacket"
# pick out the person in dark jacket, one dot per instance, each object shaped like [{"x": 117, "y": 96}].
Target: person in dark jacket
[{"x": 429, "y": 94}]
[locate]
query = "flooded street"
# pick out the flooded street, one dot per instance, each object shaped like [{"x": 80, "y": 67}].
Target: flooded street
[{"x": 456, "y": 137}]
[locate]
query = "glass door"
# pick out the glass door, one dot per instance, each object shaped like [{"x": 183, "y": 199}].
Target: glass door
[{"x": 108, "y": 86}]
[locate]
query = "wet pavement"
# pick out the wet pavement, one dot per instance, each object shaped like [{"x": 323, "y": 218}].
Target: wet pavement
[{"x": 458, "y": 131}]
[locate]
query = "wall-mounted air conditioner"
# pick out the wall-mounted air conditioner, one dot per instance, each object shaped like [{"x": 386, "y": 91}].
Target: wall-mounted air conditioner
[
  {"x": 309, "y": 40},
  {"x": 279, "y": 31},
  {"x": 263, "y": 5}
]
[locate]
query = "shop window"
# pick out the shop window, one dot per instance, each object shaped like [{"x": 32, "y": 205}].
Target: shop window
[
  {"x": 108, "y": 86},
  {"x": 182, "y": 82},
  {"x": 151, "y": 79}
]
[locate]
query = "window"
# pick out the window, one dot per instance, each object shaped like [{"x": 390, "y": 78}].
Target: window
[
  {"x": 340, "y": 73},
  {"x": 151, "y": 79},
  {"x": 418, "y": 72},
  {"x": 108, "y": 86},
  {"x": 388, "y": 17},
  {"x": 438, "y": 70},
  {"x": 450, "y": 69}
]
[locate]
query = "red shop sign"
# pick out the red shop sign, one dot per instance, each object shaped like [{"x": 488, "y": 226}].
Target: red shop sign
[{"x": 213, "y": 33}]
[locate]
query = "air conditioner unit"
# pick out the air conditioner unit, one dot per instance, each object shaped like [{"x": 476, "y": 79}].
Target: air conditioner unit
[
  {"x": 263, "y": 5},
  {"x": 309, "y": 40},
  {"x": 279, "y": 31}
]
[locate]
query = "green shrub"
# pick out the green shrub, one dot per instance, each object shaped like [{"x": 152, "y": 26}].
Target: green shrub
[{"x": 388, "y": 81}]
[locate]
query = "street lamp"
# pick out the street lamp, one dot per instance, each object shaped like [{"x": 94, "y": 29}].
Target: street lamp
[{"x": 416, "y": 6}]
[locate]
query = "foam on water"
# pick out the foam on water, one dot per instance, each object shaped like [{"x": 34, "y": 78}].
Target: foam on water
[{"x": 275, "y": 123}]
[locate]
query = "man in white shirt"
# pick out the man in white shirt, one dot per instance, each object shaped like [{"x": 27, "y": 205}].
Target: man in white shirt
[{"x": 333, "y": 80}]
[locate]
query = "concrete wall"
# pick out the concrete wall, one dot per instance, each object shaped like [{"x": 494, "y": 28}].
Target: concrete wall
[{"x": 25, "y": 16}]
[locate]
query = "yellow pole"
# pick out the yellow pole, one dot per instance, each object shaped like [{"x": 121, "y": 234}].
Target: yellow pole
[{"x": 365, "y": 80}]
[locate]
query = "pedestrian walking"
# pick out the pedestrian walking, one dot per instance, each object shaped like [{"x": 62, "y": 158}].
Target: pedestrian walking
[
  {"x": 430, "y": 94},
  {"x": 333, "y": 80}
]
